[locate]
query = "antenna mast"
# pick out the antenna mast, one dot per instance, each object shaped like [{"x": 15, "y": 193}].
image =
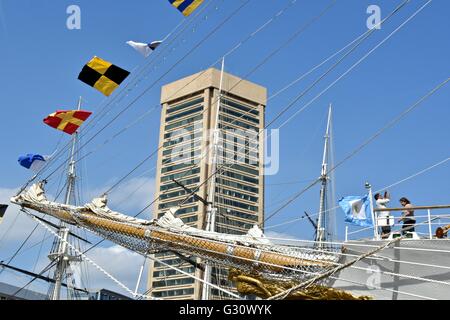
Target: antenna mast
[
  {"x": 322, "y": 227},
  {"x": 60, "y": 252}
]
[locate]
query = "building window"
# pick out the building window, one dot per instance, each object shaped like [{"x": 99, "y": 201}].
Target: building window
[
  {"x": 177, "y": 167},
  {"x": 237, "y": 204},
  {"x": 184, "y": 114},
  {"x": 180, "y": 175},
  {"x": 237, "y": 185},
  {"x": 171, "y": 272},
  {"x": 186, "y": 183},
  {"x": 175, "y": 108},
  {"x": 239, "y": 214},
  {"x": 175, "y": 203},
  {"x": 173, "y": 293},
  {"x": 239, "y": 115},
  {"x": 235, "y": 194},
  {"x": 235, "y": 122},
  {"x": 184, "y": 122},
  {"x": 174, "y": 282},
  {"x": 187, "y": 138},
  {"x": 240, "y": 177},
  {"x": 236, "y": 105}
]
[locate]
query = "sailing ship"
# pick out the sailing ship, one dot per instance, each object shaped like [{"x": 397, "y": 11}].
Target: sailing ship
[
  {"x": 402, "y": 267},
  {"x": 405, "y": 266}
]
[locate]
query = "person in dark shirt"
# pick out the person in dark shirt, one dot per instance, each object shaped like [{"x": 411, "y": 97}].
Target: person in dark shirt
[{"x": 409, "y": 222}]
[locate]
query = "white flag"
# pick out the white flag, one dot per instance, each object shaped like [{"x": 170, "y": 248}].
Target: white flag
[{"x": 144, "y": 48}]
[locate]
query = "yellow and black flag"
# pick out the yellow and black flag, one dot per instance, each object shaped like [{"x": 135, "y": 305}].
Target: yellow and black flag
[
  {"x": 103, "y": 75},
  {"x": 186, "y": 7}
]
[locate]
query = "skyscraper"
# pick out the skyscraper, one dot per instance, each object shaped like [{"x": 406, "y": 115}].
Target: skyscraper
[{"x": 188, "y": 119}]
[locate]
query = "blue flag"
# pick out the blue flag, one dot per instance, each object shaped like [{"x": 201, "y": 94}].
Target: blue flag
[
  {"x": 34, "y": 162},
  {"x": 357, "y": 211}
]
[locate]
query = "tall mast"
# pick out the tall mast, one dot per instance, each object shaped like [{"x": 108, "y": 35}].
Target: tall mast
[
  {"x": 212, "y": 210},
  {"x": 322, "y": 222},
  {"x": 60, "y": 253}
]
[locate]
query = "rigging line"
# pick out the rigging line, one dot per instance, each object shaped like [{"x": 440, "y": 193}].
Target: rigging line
[
  {"x": 131, "y": 172},
  {"x": 370, "y": 140},
  {"x": 22, "y": 245},
  {"x": 286, "y": 109},
  {"x": 33, "y": 246},
  {"x": 241, "y": 43},
  {"x": 298, "y": 195},
  {"x": 2, "y": 241},
  {"x": 31, "y": 233},
  {"x": 49, "y": 267},
  {"x": 230, "y": 52},
  {"x": 60, "y": 153},
  {"x": 40, "y": 251},
  {"x": 357, "y": 63},
  {"x": 375, "y": 257},
  {"x": 368, "y": 33},
  {"x": 308, "y": 283},
  {"x": 86, "y": 258},
  {"x": 389, "y": 187},
  {"x": 362, "y": 244},
  {"x": 417, "y": 174},
  {"x": 384, "y": 289},
  {"x": 265, "y": 60},
  {"x": 335, "y": 65},
  {"x": 192, "y": 276},
  {"x": 235, "y": 12},
  {"x": 391, "y": 124},
  {"x": 262, "y": 27},
  {"x": 315, "y": 68},
  {"x": 152, "y": 59},
  {"x": 148, "y": 112}
]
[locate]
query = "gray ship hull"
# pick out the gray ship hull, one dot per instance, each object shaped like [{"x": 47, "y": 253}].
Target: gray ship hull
[{"x": 411, "y": 270}]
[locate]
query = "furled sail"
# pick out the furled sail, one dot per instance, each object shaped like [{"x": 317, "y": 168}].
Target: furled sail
[{"x": 251, "y": 253}]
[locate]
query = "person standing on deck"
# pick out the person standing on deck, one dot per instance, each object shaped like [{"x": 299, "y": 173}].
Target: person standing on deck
[
  {"x": 382, "y": 203},
  {"x": 409, "y": 222}
]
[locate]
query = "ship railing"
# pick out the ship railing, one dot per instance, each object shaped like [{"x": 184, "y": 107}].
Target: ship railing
[{"x": 425, "y": 228}]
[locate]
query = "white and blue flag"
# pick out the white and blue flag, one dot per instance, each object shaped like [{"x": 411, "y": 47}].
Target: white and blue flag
[
  {"x": 144, "y": 48},
  {"x": 34, "y": 162},
  {"x": 357, "y": 211}
]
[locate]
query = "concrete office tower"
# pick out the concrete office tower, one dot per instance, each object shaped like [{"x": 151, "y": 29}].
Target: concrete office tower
[{"x": 189, "y": 113}]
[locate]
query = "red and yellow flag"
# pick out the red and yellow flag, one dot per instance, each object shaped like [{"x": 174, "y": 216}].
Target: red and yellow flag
[{"x": 67, "y": 121}]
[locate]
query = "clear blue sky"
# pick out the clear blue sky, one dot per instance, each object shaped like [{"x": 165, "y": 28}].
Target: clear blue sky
[{"x": 40, "y": 60}]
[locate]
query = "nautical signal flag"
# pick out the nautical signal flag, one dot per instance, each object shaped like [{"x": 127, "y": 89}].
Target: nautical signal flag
[
  {"x": 35, "y": 162},
  {"x": 144, "y": 48},
  {"x": 103, "y": 75},
  {"x": 357, "y": 211},
  {"x": 186, "y": 7},
  {"x": 67, "y": 121},
  {"x": 3, "y": 208}
]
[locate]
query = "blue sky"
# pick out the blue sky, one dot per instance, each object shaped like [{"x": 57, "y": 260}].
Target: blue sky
[{"x": 40, "y": 60}]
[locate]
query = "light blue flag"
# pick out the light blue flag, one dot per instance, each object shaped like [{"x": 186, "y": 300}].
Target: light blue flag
[{"x": 357, "y": 211}]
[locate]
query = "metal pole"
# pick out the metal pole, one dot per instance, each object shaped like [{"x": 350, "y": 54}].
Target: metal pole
[
  {"x": 374, "y": 216},
  {"x": 321, "y": 226},
  {"x": 429, "y": 225},
  {"x": 139, "y": 278},
  {"x": 211, "y": 210},
  {"x": 61, "y": 254}
]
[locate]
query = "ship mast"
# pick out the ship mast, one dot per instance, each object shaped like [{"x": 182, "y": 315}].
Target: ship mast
[
  {"x": 60, "y": 252},
  {"x": 212, "y": 210},
  {"x": 322, "y": 227}
]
